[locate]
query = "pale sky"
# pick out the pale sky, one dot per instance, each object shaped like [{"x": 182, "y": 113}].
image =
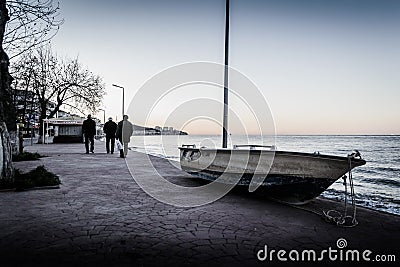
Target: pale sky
[{"x": 325, "y": 67}]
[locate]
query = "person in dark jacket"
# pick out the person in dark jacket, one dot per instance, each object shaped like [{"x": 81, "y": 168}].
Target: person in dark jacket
[
  {"x": 89, "y": 130},
  {"x": 109, "y": 129}
]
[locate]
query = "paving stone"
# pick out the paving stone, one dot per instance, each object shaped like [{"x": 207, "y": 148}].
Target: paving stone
[{"x": 101, "y": 217}]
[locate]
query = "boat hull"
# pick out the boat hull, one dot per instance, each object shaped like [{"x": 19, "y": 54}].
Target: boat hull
[{"x": 292, "y": 177}]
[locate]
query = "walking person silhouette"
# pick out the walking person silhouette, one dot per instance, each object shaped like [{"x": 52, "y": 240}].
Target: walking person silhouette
[
  {"x": 89, "y": 130},
  {"x": 110, "y": 128}
]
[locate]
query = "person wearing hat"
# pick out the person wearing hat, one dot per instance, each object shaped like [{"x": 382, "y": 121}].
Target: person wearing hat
[
  {"x": 109, "y": 129},
  {"x": 89, "y": 130}
]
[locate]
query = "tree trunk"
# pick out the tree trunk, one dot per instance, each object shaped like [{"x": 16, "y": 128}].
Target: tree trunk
[
  {"x": 21, "y": 141},
  {"x": 43, "y": 109},
  {"x": 6, "y": 168},
  {"x": 8, "y": 127}
]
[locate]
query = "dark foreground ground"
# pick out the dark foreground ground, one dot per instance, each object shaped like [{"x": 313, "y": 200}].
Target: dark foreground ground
[{"x": 101, "y": 217}]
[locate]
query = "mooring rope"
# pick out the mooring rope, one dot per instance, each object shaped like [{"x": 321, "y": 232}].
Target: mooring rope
[{"x": 337, "y": 217}]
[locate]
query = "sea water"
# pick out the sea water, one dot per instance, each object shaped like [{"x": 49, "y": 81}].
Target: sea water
[{"x": 376, "y": 184}]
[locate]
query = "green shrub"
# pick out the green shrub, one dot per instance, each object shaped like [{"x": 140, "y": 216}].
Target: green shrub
[
  {"x": 25, "y": 156},
  {"x": 5, "y": 184},
  {"x": 35, "y": 178}
]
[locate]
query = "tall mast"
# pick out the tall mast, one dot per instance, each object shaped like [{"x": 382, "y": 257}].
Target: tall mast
[{"x": 225, "y": 119}]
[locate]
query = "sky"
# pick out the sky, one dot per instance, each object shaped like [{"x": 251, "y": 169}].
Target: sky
[{"x": 323, "y": 66}]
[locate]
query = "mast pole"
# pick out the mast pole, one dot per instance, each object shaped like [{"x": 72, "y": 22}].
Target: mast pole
[{"x": 226, "y": 70}]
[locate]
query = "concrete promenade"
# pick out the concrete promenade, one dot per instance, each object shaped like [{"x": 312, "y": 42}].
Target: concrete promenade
[{"x": 100, "y": 216}]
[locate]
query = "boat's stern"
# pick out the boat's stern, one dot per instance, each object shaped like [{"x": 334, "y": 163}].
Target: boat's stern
[{"x": 188, "y": 154}]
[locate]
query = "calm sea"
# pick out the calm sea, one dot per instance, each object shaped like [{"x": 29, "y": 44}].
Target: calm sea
[{"x": 377, "y": 184}]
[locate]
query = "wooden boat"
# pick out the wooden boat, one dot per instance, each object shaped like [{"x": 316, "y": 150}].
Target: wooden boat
[{"x": 292, "y": 177}]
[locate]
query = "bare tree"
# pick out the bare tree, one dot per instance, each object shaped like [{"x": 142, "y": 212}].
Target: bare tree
[
  {"x": 57, "y": 82},
  {"x": 23, "y": 25},
  {"x": 6, "y": 107},
  {"x": 32, "y": 22},
  {"x": 24, "y": 98}
]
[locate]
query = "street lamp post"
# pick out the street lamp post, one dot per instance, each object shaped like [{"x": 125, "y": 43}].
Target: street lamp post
[
  {"x": 104, "y": 114},
  {"x": 123, "y": 98}
]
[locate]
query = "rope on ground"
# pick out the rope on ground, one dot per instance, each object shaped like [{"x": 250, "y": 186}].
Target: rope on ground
[
  {"x": 336, "y": 217},
  {"x": 297, "y": 206}
]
